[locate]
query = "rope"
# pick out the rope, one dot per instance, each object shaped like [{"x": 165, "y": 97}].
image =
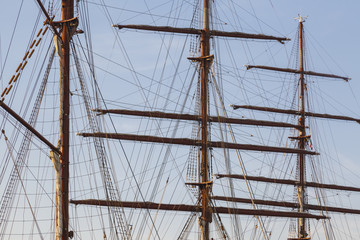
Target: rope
[{"x": 22, "y": 184}]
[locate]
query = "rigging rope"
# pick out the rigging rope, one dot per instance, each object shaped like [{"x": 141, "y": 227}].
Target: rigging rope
[
  {"x": 22, "y": 184},
  {"x": 7, "y": 198},
  {"x": 261, "y": 223},
  {"x": 112, "y": 123},
  {"x": 112, "y": 194}
]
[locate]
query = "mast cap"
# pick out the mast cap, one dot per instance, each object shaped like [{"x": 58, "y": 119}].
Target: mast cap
[{"x": 301, "y": 19}]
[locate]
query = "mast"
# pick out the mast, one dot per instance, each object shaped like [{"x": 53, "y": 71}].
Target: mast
[
  {"x": 67, "y": 14},
  {"x": 204, "y": 171},
  {"x": 302, "y": 231}
]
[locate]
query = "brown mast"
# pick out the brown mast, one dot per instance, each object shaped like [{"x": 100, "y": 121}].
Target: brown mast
[
  {"x": 206, "y": 217},
  {"x": 302, "y": 231},
  {"x": 67, "y": 14}
]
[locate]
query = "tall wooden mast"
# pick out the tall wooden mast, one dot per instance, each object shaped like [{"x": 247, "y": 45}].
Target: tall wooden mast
[
  {"x": 206, "y": 217},
  {"x": 67, "y": 14},
  {"x": 302, "y": 232}
]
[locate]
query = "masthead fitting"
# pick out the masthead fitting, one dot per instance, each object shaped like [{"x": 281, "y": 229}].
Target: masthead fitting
[{"x": 300, "y": 18}]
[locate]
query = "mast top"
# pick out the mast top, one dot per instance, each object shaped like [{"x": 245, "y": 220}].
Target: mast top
[{"x": 301, "y": 19}]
